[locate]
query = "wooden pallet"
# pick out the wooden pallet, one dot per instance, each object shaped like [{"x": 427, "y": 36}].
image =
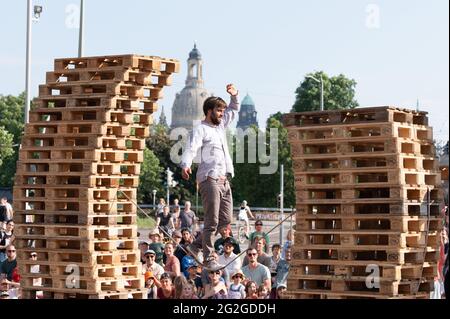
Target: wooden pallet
[
  {"x": 78, "y": 173},
  {"x": 368, "y": 191}
]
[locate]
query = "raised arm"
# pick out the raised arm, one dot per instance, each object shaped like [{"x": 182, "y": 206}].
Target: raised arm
[{"x": 232, "y": 110}]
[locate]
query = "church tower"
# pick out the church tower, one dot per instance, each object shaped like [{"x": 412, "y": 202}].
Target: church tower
[
  {"x": 188, "y": 105},
  {"x": 247, "y": 114}
]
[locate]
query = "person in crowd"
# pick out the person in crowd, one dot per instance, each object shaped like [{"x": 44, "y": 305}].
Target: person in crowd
[
  {"x": 244, "y": 214},
  {"x": 166, "y": 291},
  {"x": 176, "y": 215},
  {"x": 6, "y": 238},
  {"x": 259, "y": 243},
  {"x": 186, "y": 237},
  {"x": 150, "y": 284},
  {"x": 143, "y": 247},
  {"x": 259, "y": 232},
  {"x": 194, "y": 278},
  {"x": 289, "y": 242},
  {"x": 165, "y": 222},
  {"x": 189, "y": 292},
  {"x": 9, "y": 264},
  {"x": 188, "y": 217},
  {"x": 180, "y": 251},
  {"x": 236, "y": 288},
  {"x": 179, "y": 283},
  {"x": 172, "y": 265},
  {"x": 255, "y": 271},
  {"x": 160, "y": 207},
  {"x": 283, "y": 268},
  {"x": 216, "y": 289},
  {"x": 228, "y": 258},
  {"x": 156, "y": 245},
  {"x": 281, "y": 289},
  {"x": 225, "y": 232},
  {"x": 206, "y": 276},
  {"x": 151, "y": 265},
  {"x": 251, "y": 290},
  {"x": 263, "y": 292},
  {"x": 8, "y": 210}
]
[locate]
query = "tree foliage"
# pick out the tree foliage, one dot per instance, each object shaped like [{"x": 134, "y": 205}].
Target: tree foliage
[
  {"x": 6, "y": 142},
  {"x": 339, "y": 93},
  {"x": 12, "y": 120}
]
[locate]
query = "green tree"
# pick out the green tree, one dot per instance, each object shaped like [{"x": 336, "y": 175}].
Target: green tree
[
  {"x": 338, "y": 92},
  {"x": 150, "y": 177},
  {"x": 6, "y": 140},
  {"x": 261, "y": 190},
  {"x": 12, "y": 115},
  {"x": 11, "y": 118}
]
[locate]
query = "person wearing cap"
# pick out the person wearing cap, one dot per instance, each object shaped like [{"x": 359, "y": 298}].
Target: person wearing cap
[
  {"x": 214, "y": 169},
  {"x": 192, "y": 275},
  {"x": 225, "y": 233},
  {"x": 281, "y": 288},
  {"x": 229, "y": 257},
  {"x": 151, "y": 265},
  {"x": 259, "y": 232},
  {"x": 236, "y": 288},
  {"x": 150, "y": 284},
  {"x": 157, "y": 246}
]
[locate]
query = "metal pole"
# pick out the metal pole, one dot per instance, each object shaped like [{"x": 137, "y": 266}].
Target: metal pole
[
  {"x": 80, "y": 35},
  {"x": 28, "y": 62},
  {"x": 281, "y": 201},
  {"x": 321, "y": 94},
  {"x": 168, "y": 194}
]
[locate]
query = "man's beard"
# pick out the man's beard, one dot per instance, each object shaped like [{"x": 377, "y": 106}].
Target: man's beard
[{"x": 215, "y": 120}]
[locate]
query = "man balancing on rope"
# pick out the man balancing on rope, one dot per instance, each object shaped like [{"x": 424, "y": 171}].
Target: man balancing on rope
[{"x": 214, "y": 170}]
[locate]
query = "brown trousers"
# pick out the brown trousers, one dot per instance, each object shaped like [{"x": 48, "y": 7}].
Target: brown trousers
[{"x": 218, "y": 212}]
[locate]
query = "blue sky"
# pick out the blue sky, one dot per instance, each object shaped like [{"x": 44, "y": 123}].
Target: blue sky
[{"x": 264, "y": 47}]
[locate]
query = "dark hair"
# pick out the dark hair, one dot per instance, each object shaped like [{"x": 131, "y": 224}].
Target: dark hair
[
  {"x": 213, "y": 102},
  {"x": 276, "y": 246},
  {"x": 258, "y": 222}
]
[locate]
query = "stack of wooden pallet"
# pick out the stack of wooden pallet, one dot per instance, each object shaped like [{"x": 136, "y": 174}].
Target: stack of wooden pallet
[
  {"x": 368, "y": 199},
  {"x": 77, "y": 175}
]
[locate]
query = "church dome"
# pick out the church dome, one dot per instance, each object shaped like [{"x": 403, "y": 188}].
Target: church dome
[
  {"x": 247, "y": 104},
  {"x": 195, "y": 53}
]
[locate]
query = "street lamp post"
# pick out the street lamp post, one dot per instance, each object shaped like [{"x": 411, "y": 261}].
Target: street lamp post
[
  {"x": 154, "y": 199},
  {"x": 37, "y": 10},
  {"x": 321, "y": 89},
  {"x": 80, "y": 34}
]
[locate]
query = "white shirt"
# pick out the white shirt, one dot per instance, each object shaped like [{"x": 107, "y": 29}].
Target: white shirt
[
  {"x": 156, "y": 269},
  {"x": 215, "y": 159},
  {"x": 234, "y": 266}
]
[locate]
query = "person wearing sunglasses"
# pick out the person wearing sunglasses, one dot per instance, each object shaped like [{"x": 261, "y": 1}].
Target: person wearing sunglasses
[
  {"x": 214, "y": 170},
  {"x": 151, "y": 265},
  {"x": 255, "y": 271},
  {"x": 9, "y": 264}
]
